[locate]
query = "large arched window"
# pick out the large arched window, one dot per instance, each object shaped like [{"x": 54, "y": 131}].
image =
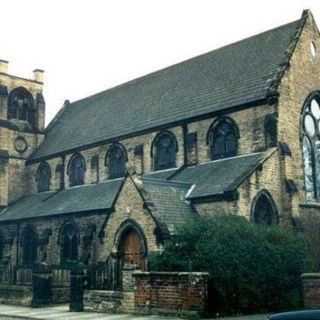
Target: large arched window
[
  {"x": 164, "y": 151},
  {"x": 222, "y": 139},
  {"x": 43, "y": 177},
  {"x": 69, "y": 243},
  {"x": 21, "y": 106},
  {"x": 264, "y": 210},
  {"x": 116, "y": 161},
  {"x": 310, "y": 139},
  {"x": 76, "y": 170},
  {"x": 29, "y": 246}
]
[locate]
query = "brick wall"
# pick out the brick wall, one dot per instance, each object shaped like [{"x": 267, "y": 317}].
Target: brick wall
[{"x": 170, "y": 292}]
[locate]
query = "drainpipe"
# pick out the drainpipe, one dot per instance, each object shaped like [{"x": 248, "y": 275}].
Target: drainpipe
[
  {"x": 185, "y": 154},
  {"x": 17, "y": 252},
  {"x": 62, "y": 182}
]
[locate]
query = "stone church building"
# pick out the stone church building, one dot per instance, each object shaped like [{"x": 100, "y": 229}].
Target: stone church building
[{"x": 235, "y": 130}]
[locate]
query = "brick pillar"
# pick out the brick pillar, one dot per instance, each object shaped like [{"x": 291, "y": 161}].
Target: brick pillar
[
  {"x": 41, "y": 285},
  {"x": 76, "y": 289},
  {"x": 311, "y": 290}
]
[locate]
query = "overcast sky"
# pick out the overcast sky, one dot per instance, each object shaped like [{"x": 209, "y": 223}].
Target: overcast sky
[{"x": 89, "y": 46}]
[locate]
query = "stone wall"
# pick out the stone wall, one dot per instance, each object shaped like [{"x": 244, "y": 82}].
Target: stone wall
[
  {"x": 250, "y": 122},
  {"x": 109, "y": 301},
  {"x": 170, "y": 292},
  {"x": 48, "y": 231},
  {"x": 16, "y": 295},
  {"x": 299, "y": 81},
  {"x": 311, "y": 290}
]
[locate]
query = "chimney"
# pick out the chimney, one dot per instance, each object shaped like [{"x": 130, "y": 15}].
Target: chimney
[
  {"x": 38, "y": 75},
  {"x": 4, "y": 66}
]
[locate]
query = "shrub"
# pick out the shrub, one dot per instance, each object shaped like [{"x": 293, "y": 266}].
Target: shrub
[{"x": 252, "y": 268}]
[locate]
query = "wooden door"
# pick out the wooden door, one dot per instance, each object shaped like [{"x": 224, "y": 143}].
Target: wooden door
[{"x": 132, "y": 250}]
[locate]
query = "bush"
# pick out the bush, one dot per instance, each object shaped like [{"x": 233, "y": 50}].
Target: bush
[{"x": 252, "y": 268}]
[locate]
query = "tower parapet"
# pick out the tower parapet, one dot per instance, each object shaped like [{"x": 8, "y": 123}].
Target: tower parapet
[{"x": 22, "y": 122}]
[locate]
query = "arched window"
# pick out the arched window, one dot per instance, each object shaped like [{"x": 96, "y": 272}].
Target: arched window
[
  {"x": 29, "y": 246},
  {"x": 43, "y": 177},
  {"x": 21, "y": 106},
  {"x": 164, "y": 151},
  {"x": 264, "y": 209},
  {"x": 223, "y": 139},
  {"x": 310, "y": 139},
  {"x": 270, "y": 130},
  {"x": 76, "y": 170},
  {"x": 116, "y": 161},
  {"x": 69, "y": 243}
]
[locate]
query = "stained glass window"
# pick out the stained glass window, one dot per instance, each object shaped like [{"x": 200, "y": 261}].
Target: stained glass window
[
  {"x": 43, "y": 177},
  {"x": 116, "y": 161},
  {"x": 223, "y": 139},
  {"x": 164, "y": 151},
  {"x": 76, "y": 170},
  {"x": 264, "y": 210},
  {"x": 69, "y": 250},
  {"x": 310, "y": 125},
  {"x": 29, "y": 246}
]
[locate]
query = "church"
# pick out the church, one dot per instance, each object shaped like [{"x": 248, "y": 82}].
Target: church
[{"x": 234, "y": 131}]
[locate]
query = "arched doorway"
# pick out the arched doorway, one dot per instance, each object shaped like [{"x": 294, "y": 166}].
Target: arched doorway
[
  {"x": 132, "y": 249},
  {"x": 264, "y": 210},
  {"x": 129, "y": 254}
]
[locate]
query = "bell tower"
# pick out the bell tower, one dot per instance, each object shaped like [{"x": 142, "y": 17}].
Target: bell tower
[{"x": 22, "y": 123}]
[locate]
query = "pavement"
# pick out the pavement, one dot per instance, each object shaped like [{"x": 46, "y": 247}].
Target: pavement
[{"x": 62, "y": 313}]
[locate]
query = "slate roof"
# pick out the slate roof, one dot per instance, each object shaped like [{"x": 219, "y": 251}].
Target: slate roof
[
  {"x": 167, "y": 202},
  {"x": 220, "y": 176},
  {"x": 233, "y": 75},
  {"x": 74, "y": 200},
  {"x": 161, "y": 174}
]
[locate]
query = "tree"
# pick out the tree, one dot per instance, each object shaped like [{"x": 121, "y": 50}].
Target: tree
[{"x": 252, "y": 268}]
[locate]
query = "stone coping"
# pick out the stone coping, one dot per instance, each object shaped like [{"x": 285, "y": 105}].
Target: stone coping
[
  {"x": 310, "y": 204},
  {"x": 107, "y": 293},
  {"x": 310, "y": 276}
]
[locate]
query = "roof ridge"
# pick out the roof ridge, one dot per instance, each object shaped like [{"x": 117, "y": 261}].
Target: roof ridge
[
  {"x": 197, "y": 87},
  {"x": 153, "y": 73},
  {"x": 225, "y": 159},
  {"x": 166, "y": 182}
]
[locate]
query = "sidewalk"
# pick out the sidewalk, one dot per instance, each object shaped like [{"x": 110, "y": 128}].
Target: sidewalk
[{"x": 62, "y": 313}]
